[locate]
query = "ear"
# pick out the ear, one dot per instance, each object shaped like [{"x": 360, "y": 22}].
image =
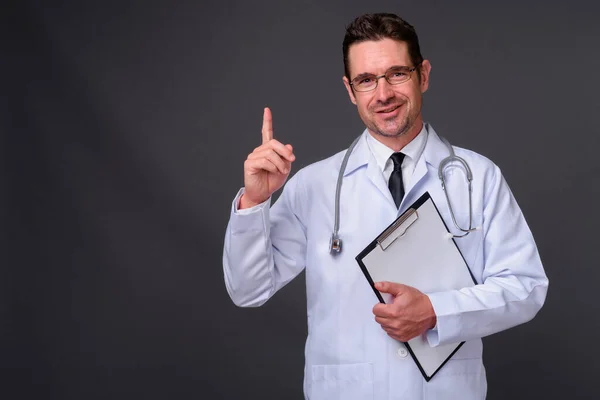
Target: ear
[
  {"x": 425, "y": 73},
  {"x": 349, "y": 89}
]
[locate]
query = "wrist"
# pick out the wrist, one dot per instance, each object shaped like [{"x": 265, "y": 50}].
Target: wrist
[
  {"x": 432, "y": 316},
  {"x": 245, "y": 202},
  {"x": 433, "y": 322}
]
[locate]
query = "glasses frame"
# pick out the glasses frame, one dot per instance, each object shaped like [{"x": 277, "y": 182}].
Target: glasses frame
[{"x": 377, "y": 77}]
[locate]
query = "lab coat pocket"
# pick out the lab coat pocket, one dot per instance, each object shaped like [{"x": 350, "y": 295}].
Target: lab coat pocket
[
  {"x": 345, "y": 381},
  {"x": 458, "y": 379}
]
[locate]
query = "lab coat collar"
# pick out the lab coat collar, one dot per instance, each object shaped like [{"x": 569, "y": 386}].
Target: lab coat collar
[
  {"x": 360, "y": 155},
  {"x": 435, "y": 149}
]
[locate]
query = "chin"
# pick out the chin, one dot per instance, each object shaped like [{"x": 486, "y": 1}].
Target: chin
[
  {"x": 393, "y": 127},
  {"x": 393, "y": 132}
]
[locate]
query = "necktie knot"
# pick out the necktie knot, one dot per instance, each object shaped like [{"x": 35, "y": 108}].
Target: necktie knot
[{"x": 397, "y": 159}]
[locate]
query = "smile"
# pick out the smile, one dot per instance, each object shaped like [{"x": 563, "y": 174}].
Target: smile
[{"x": 388, "y": 111}]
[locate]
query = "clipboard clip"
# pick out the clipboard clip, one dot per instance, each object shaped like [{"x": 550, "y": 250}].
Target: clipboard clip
[{"x": 397, "y": 229}]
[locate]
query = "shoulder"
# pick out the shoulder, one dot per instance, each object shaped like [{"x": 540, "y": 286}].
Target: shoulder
[
  {"x": 476, "y": 161},
  {"x": 437, "y": 152},
  {"x": 485, "y": 172}
]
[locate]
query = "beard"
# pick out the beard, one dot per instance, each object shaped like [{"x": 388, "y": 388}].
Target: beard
[{"x": 393, "y": 127}]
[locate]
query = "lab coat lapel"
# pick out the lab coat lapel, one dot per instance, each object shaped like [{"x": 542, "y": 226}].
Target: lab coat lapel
[
  {"x": 376, "y": 177},
  {"x": 360, "y": 156},
  {"x": 435, "y": 150}
]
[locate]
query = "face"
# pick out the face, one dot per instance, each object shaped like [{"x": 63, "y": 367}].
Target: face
[{"x": 388, "y": 110}]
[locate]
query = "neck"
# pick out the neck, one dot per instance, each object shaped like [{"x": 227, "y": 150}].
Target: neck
[{"x": 397, "y": 143}]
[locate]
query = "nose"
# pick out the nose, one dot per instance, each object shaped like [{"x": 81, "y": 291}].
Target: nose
[{"x": 383, "y": 91}]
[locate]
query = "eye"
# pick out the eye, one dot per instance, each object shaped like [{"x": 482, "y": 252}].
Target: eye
[
  {"x": 365, "y": 81},
  {"x": 398, "y": 73}
]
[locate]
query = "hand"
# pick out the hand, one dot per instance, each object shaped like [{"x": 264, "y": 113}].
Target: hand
[
  {"x": 408, "y": 316},
  {"x": 267, "y": 168}
]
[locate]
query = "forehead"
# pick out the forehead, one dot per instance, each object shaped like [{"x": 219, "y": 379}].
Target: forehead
[{"x": 376, "y": 57}]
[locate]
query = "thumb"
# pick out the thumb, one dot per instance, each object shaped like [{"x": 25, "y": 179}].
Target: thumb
[{"x": 390, "y": 287}]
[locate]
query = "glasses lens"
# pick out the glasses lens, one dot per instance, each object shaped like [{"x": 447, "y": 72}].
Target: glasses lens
[
  {"x": 397, "y": 75},
  {"x": 365, "y": 83}
]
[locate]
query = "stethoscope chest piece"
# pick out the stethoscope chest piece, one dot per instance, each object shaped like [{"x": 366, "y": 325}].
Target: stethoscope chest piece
[{"x": 335, "y": 245}]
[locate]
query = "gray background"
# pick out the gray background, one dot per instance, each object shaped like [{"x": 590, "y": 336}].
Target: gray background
[{"x": 125, "y": 127}]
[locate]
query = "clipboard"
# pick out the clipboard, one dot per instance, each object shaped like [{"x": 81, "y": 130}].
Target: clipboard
[{"x": 417, "y": 250}]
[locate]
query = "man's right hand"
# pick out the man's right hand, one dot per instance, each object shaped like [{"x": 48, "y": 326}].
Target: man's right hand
[{"x": 267, "y": 168}]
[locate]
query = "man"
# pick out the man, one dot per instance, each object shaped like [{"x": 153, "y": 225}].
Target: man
[{"x": 354, "y": 347}]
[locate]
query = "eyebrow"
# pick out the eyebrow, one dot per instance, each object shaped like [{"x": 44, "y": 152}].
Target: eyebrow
[
  {"x": 367, "y": 74},
  {"x": 363, "y": 75}
]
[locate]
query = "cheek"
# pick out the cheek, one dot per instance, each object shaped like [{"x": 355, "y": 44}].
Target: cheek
[
  {"x": 365, "y": 112},
  {"x": 364, "y": 105}
]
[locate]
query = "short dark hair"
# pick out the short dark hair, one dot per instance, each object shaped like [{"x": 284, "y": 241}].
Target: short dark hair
[{"x": 382, "y": 26}]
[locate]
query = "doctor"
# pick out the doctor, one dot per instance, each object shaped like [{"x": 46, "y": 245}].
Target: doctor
[{"x": 353, "y": 349}]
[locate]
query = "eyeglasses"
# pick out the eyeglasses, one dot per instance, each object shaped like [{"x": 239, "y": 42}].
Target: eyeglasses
[{"x": 393, "y": 76}]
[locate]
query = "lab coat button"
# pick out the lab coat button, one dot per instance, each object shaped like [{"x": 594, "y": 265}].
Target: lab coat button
[{"x": 402, "y": 352}]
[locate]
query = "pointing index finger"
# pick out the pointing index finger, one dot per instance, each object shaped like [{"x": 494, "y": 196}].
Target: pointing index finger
[{"x": 267, "y": 128}]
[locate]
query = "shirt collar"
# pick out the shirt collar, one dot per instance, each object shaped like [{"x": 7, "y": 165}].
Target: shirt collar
[
  {"x": 434, "y": 150},
  {"x": 413, "y": 149}
]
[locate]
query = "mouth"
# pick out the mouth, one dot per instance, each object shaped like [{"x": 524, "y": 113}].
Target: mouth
[{"x": 389, "y": 111}]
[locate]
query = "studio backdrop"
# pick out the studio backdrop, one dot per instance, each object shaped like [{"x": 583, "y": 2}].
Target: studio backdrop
[{"x": 125, "y": 125}]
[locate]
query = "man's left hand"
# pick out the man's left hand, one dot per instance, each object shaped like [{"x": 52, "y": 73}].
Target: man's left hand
[{"x": 408, "y": 316}]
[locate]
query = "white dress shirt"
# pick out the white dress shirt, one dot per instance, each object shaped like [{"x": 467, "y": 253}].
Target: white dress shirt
[{"x": 412, "y": 152}]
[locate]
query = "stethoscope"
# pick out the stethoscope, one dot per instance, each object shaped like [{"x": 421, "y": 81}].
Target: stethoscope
[{"x": 335, "y": 243}]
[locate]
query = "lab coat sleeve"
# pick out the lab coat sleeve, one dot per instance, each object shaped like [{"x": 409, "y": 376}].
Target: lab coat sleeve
[
  {"x": 514, "y": 284},
  {"x": 264, "y": 248}
]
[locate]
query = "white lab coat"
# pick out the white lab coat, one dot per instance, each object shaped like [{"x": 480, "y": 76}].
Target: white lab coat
[{"x": 348, "y": 355}]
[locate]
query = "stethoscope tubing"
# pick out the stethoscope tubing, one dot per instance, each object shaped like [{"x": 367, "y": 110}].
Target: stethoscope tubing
[{"x": 335, "y": 243}]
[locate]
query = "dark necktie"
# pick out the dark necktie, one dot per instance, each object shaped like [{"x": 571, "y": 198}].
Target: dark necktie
[{"x": 395, "y": 183}]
